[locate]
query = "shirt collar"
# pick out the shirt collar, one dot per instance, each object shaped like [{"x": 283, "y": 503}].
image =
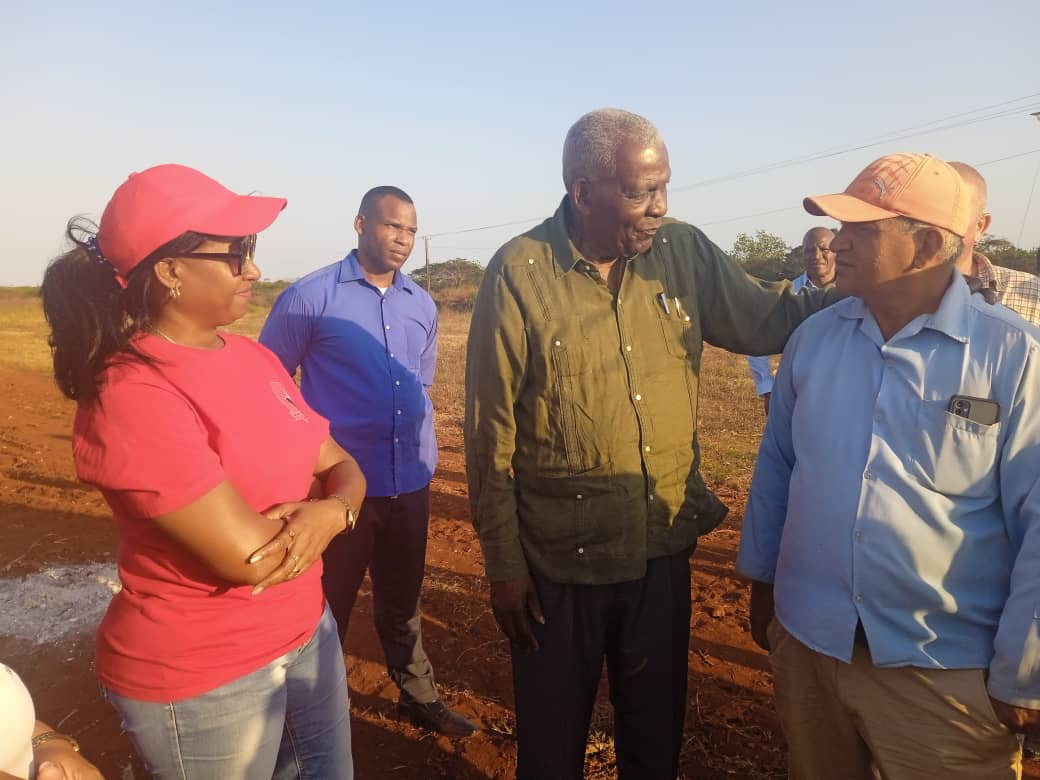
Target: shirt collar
[
  {"x": 951, "y": 318},
  {"x": 982, "y": 268},
  {"x": 350, "y": 271},
  {"x": 565, "y": 254},
  {"x": 803, "y": 281},
  {"x": 350, "y": 268}
]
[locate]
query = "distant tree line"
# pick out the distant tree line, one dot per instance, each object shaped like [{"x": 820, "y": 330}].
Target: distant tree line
[
  {"x": 1002, "y": 252},
  {"x": 767, "y": 256}
]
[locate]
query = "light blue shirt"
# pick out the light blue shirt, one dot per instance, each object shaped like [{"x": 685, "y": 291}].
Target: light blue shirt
[
  {"x": 872, "y": 503},
  {"x": 761, "y": 371},
  {"x": 368, "y": 359}
]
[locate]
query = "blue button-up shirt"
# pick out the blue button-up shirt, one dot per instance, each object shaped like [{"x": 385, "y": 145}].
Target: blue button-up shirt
[
  {"x": 872, "y": 503},
  {"x": 368, "y": 360}
]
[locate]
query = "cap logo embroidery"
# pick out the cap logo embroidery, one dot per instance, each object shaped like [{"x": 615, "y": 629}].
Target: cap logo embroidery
[
  {"x": 287, "y": 401},
  {"x": 882, "y": 188}
]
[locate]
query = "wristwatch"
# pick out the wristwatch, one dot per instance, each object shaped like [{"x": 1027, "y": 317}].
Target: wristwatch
[
  {"x": 351, "y": 514},
  {"x": 47, "y": 736}
]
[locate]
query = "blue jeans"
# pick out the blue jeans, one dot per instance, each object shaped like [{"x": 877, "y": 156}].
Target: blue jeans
[{"x": 289, "y": 720}]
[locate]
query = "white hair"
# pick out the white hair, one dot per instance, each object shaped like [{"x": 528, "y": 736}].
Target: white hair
[
  {"x": 592, "y": 143},
  {"x": 952, "y": 246}
]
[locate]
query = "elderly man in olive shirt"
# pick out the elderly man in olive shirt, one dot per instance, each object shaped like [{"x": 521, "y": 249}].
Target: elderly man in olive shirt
[{"x": 581, "y": 444}]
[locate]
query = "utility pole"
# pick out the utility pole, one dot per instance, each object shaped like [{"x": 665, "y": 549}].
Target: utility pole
[
  {"x": 1029, "y": 202},
  {"x": 426, "y": 243}
]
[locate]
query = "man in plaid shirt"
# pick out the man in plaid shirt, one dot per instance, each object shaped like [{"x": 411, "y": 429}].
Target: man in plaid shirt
[{"x": 1015, "y": 289}]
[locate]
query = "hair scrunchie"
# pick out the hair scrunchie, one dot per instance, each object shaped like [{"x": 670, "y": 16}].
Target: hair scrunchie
[{"x": 94, "y": 250}]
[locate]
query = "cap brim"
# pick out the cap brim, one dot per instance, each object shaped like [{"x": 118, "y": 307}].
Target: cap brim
[
  {"x": 845, "y": 208},
  {"x": 243, "y": 215}
]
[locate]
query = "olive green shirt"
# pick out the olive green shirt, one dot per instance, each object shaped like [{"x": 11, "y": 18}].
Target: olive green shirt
[{"x": 581, "y": 405}]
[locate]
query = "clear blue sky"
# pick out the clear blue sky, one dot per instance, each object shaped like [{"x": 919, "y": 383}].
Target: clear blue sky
[{"x": 465, "y": 106}]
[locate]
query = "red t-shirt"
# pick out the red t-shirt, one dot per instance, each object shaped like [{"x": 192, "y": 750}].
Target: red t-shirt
[{"x": 161, "y": 437}]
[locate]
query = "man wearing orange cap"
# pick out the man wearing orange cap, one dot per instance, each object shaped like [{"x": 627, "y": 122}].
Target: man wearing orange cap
[{"x": 895, "y": 586}]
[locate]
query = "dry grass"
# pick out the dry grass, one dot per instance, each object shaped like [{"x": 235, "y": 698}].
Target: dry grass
[
  {"x": 23, "y": 330},
  {"x": 730, "y": 420},
  {"x": 448, "y": 390}
]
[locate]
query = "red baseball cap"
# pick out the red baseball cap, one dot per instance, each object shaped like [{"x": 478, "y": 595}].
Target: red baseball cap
[
  {"x": 918, "y": 186},
  {"x": 159, "y": 204}
]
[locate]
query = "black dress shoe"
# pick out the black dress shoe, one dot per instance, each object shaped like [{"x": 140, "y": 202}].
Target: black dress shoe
[{"x": 435, "y": 716}]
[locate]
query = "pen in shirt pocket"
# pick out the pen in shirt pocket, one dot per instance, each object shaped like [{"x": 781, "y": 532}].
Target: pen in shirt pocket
[
  {"x": 663, "y": 300},
  {"x": 679, "y": 312}
]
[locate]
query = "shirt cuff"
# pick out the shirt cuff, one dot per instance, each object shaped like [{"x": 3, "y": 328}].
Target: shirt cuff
[
  {"x": 504, "y": 561},
  {"x": 1010, "y": 695}
]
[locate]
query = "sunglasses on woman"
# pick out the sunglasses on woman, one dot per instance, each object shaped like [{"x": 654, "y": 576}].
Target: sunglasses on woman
[{"x": 239, "y": 253}]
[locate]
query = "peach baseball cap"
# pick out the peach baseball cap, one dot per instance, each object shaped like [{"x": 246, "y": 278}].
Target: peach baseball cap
[{"x": 918, "y": 186}]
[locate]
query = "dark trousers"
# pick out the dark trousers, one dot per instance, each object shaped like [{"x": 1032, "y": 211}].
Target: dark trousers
[
  {"x": 389, "y": 541},
  {"x": 643, "y": 629}
]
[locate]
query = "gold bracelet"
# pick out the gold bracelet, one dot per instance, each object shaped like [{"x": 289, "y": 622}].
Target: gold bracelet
[
  {"x": 351, "y": 515},
  {"x": 47, "y": 736}
]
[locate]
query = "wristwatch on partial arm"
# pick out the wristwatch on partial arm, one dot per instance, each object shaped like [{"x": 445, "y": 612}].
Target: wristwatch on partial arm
[{"x": 349, "y": 508}]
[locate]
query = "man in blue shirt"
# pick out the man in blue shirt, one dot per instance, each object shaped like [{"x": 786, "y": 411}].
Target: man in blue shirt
[
  {"x": 365, "y": 336},
  {"x": 892, "y": 531},
  {"x": 818, "y": 262}
]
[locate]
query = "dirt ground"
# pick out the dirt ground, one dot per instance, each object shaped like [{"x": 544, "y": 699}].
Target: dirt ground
[{"x": 47, "y": 520}]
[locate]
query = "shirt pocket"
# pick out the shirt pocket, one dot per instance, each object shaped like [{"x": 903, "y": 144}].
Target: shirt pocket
[
  {"x": 560, "y": 513},
  {"x": 954, "y": 456},
  {"x": 567, "y": 434},
  {"x": 677, "y": 324},
  {"x": 566, "y": 348}
]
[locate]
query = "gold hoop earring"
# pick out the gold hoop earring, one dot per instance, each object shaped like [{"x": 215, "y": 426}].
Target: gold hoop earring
[{"x": 175, "y": 292}]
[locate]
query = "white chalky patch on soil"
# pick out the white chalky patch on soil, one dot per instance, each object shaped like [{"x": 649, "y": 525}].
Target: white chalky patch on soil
[{"x": 56, "y": 602}]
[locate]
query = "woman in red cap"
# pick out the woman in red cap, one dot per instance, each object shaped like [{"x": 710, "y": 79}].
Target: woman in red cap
[{"x": 219, "y": 651}]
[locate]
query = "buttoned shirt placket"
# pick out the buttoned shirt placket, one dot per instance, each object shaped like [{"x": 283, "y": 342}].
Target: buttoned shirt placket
[{"x": 391, "y": 341}]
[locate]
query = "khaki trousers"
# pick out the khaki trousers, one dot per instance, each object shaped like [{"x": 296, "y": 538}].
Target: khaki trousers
[{"x": 862, "y": 722}]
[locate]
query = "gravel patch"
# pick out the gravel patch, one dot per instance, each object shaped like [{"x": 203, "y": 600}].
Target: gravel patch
[{"x": 56, "y": 602}]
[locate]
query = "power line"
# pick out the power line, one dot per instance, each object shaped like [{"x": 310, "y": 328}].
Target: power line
[
  {"x": 486, "y": 227},
  {"x": 838, "y": 152},
  {"x": 947, "y": 118},
  {"x": 798, "y": 207},
  {"x": 895, "y": 135},
  {"x": 748, "y": 216},
  {"x": 777, "y": 210},
  {"x": 1029, "y": 203},
  {"x": 442, "y": 247},
  {"x": 1009, "y": 157}
]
